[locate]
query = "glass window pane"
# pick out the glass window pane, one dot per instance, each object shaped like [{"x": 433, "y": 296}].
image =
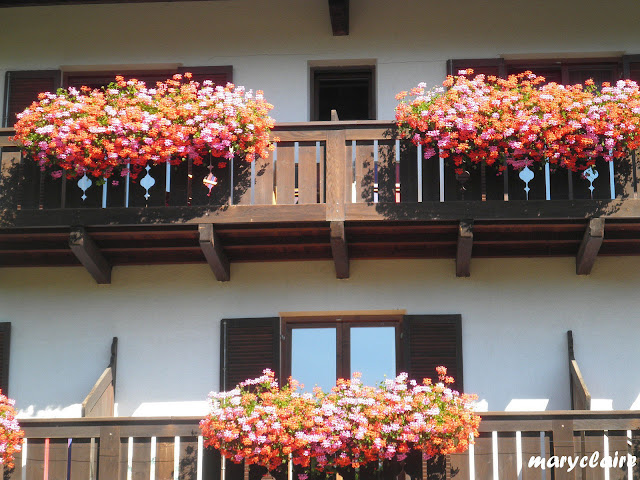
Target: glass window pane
[
  {"x": 373, "y": 353},
  {"x": 313, "y": 357}
]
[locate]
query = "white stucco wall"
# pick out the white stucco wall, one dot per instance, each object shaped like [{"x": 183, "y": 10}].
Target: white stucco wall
[
  {"x": 271, "y": 43},
  {"x": 515, "y": 315}
]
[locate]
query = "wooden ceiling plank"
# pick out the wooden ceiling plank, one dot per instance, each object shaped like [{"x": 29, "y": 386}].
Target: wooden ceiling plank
[
  {"x": 591, "y": 243},
  {"x": 339, "y": 249},
  {"x": 465, "y": 246},
  {"x": 339, "y": 12},
  {"x": 213, "y": 252},
  {"x": 89, "y": 255}
]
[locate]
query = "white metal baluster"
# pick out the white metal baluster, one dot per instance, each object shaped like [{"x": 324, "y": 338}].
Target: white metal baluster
[
  {"x": 24, "y": 459},
  {"x": 253, "y": 182},
  {"x": 200, "y": 450},
  {"x": 396, "y": 184},
  {"x": 441, "y": 178},
  {"x": 130, "y": 459},
  {"x": 375, "y": 171},
  {"x": 231, "y": 167},
  {"x": 152, "y": 468},
  {"x": 176, "y": 457},
  {"x": 494, "y": 452},
  {"x": 353, "y": 172},
  {"x": 126, "y": 188},
  {"x": 92, "y": 460},
  {"x": 605, "y": 454},
  {"x": 472, "y": 462},
  {"x": 104, "y": 193},
  {"x": 547, "y": 181},
  {"x": 629, "y": 467},
  {"x": 612, "y": 181},
  {"x": 168, "y": 183},
  {"x": 519, "y": 454},
  {"x": 419, "y": 160}
]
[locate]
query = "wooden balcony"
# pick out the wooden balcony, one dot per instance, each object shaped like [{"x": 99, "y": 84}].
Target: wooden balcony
[
  {"x": 331, "y": 190},
  {"x": 170, "y": 448}
]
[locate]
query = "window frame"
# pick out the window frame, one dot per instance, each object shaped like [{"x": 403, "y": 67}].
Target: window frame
[
  {"x": 350, "y": 70},
  {"x": 343, "y": 325}
]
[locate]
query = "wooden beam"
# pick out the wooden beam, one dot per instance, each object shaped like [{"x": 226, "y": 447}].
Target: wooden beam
[
  {"x": 465, "y": 245},
  {"x": 339, "y": 250},
  {"x": 580, "y": 396},
  {"x": 339, "y": 12},
  {"x": 212, "y": 249},
  {"x": 591, "y": 243},
  {"x": 86, "y": 250}
]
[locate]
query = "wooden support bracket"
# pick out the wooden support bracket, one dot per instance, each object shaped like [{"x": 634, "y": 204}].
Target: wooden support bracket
[
  {"x": 465, "y": 245},
  {"x": 580, "y": 396},
  {"x": 339, "y": 12},
  {"x": 591, "y": 242},
  {"x": 86, "y": 250},
  {"x": 212, "y": 249},
  {"x": 339, "y": 250}
]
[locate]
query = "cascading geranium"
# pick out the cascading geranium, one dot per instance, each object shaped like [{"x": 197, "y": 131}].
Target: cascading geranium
[
  {"x": 519, "y": 121},
  {"x": 10, "y": 433},
  {"x": 127, "y": 125},
  {"x": 348, "y": 427},
  {"x": 258, "y": 422}
]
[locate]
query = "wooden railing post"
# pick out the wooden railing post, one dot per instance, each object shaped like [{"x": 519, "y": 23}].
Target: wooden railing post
[
  {"x": 563, "y": 446},
  {"x": 109, "y": 459},
  {"x": 336, "y": 171}
]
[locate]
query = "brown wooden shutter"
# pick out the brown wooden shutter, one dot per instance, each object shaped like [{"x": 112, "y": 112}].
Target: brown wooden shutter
[
  {"x": 431, "y": 341},
  {"x": 486, "y": 66},
  {"x": 220, "y": 75},
  {"x": 248, "y": 346},
  {"x": 5, "y": 343},
  {"x": 102, "y": 79},
  {"x": 631, "y": 67},
  {"x": 22, "y": 88}
]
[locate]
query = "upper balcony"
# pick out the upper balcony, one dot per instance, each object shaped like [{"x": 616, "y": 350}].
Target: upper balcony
[{"x": 331, "y": 190}]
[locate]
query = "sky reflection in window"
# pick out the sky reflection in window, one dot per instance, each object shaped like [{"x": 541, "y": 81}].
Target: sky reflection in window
[
  {"x": 373, "y": 353},
  {"x": 313, "y": 357}
]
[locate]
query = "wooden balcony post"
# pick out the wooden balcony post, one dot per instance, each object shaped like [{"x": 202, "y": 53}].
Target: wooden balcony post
[
  {"x": 336, "y": 171},
  {"x": 109, "y": 463}
]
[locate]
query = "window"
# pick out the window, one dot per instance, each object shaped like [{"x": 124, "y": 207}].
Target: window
[
  {"x": 23, "y": 87},
  {"x": 5, "y": 343},
  {"x": 319, "y": 349},
  {"x": 347, "y": 90},
  {"x": 564, "y": 71}
]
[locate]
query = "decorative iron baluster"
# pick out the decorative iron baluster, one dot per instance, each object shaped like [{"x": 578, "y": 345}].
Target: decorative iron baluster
[
  {"x": 526, "y": 175},
  {"x": 590, "y": 174}
]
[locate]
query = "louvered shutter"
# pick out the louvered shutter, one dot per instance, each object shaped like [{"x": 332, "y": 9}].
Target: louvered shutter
[
  {"x": 431, "y": 341},
  {"x": 248, "y": 346},
  {"x": 5, "y": 343},
  {"x": 102, "y": 79},
  {"x": 486, "y": 66},
  {"x": 22, "y": 88},
  {"x": 631, "y": 67},
  {"x": 220, "y": 75}
]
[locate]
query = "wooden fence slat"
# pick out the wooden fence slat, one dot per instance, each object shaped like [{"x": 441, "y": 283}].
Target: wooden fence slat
[
  {"x": 386, "y": 172},
  {"x": 35, "y": 459},
  {"x": 285, "y": 174},
  {"x": 507, "y": 455},
  {"x": 80, "y": 467},
  {"x": 458, "y": 466},
  {"x": 348, "y": 172},
  {"x": 618, "y": 443},
  {"x": 124, "y": 457},
  {"x": 189, "y": 458},
  {"x": 58, "y": 458},
  {"x": 264, "y": 181},
  {"x": 307, "y": 174},
  {"x": 241, "y": 178},
  {"x": 594, "y": 442},
  {"x": 16, "y": 473},
  {"x": 530, "y": 443},
  {"x": 408, "y": 172},
  {"x": 141, "y": 464},
  {"x": 483, "y": 457},
  {"x": 164, "y": 458},
  {"x": 364, "y": 172}
]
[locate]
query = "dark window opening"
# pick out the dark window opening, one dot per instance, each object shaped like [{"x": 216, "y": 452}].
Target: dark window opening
[{"x": 348, "y": 91}]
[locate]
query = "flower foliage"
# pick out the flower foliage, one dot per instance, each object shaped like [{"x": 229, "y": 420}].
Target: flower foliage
[
  {"x": 10, "y": 433},
  {"x": 99, "y": 132},
  {"x": 350, "y": 426},
  {"x": 520, "y": 120}
]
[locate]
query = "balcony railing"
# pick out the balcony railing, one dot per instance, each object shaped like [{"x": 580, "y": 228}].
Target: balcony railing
[
  {"x": 171, "y": 448},
  {"x": 334, "y": 163}
]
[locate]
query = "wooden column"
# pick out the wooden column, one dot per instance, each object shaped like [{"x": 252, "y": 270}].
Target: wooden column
[
  {"x": 212, "y": 249},
  {"x": 563, "y": 446},
  {"x": 339, "y": 250},
  {"x": 336, "y": 171},
  {"x": 591, "y": 243},
  {"x": 89, "y": 255},
  {"x": 465, "y": 245}
]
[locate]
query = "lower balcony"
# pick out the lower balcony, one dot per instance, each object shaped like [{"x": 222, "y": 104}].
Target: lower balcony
[
  {"x": 330, "y": 191},
  {"x": 171, "y": 448}
]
